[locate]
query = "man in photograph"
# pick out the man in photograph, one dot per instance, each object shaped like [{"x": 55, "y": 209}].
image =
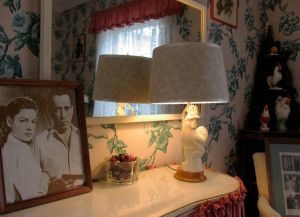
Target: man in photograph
[{"x": 58, "y": 149}]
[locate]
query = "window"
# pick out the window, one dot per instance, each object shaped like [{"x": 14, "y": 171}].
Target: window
[{"x": 139, "y": 39}]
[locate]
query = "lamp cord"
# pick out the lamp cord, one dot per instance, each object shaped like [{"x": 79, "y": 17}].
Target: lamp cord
[{"x": 170, "y": 167}]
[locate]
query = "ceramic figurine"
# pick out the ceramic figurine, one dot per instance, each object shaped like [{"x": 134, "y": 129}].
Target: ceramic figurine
[
  {"x": 193, "y": 140},
  {"x": 274, "y": 50},
  {"x": 282, "y": 110},
  {"x": 264, "y": 119},
  {"x": 121, "y": 109},
  {"x": 277, "y": 76}
]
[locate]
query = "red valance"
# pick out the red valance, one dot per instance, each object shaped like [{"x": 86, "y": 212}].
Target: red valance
[{"x": 134, "y": 11}]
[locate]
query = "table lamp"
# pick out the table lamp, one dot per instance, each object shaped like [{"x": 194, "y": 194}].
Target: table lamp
[
  {"x": 123, "y": 79},
  {"x": 189, "y": 72}
]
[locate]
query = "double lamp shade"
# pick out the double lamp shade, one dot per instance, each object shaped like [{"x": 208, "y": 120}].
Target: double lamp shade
[{"x": 177, "y": 73}]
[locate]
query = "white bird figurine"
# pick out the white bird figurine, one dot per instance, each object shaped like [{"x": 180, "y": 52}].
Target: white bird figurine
[
  {"x": 264, "y": 119},
  {"x": 193, "y": 140},
  {"x": 121, "y": 109},
  {"x": 282, "y": 111},
  {"x": 277, "y": 76}
]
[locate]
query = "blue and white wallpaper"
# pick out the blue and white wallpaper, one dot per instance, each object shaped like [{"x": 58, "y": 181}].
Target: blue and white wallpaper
[
  {"x": 157, "y": 143},
  {"x": 19, "y": 39}
]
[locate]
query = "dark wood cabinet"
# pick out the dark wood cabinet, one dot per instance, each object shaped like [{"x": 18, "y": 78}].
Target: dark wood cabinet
[{"x": 273, "y": 81}]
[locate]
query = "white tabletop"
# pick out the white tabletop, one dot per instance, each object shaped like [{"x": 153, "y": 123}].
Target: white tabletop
[{"x": 156, "y": 193}]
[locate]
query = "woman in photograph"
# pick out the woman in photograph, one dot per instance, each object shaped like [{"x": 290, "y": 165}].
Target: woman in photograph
[
  {"x": 289, "y": 182},
  {"x": 23, "y": 177}
]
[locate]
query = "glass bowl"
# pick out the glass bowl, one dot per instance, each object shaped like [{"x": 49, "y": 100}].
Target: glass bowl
[{"x": 122, "y": 172}]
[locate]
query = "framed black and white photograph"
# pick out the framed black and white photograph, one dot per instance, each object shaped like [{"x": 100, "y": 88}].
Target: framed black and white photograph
[
  {"x": 43, "y": 138},
  {"x": 79, "y": 48},
  {"x": 283, "y": 162}
]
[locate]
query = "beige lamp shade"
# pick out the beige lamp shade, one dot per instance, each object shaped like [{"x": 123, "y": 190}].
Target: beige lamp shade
[
  {"x": 122, "y": 78},
  {"x": 188, "y": 72}
]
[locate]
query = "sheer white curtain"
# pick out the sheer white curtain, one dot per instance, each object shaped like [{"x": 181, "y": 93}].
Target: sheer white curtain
[{"x": 138, "y": 40}]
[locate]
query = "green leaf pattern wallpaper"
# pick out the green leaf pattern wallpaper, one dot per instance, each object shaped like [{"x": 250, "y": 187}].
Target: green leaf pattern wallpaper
[
  {"x": 157, "y": 143},
  {"x": 158, "y": 134}
]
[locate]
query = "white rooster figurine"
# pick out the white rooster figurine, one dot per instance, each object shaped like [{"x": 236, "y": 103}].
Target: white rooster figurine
[
  {"x": 264, "y": 119},
  {"x": 282, "y": 110},
  {"x": 193, "y": 140},
  {"x": 277, "y": 76},
  {"x": 121, "y": 109}
]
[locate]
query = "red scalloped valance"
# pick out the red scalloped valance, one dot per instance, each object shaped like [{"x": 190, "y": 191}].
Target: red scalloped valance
[{"x": 134, "y": 11}]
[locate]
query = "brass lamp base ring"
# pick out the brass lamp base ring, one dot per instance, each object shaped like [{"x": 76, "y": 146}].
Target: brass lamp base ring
[{"x": 190, "y": 176}]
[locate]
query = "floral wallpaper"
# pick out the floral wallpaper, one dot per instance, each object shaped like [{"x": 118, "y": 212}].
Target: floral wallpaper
[
  {"x": 156, "y": 143},
  {"x": 242, "y": 59},
  {"x": 64, "y": 26},
  {"x": 19, "y": 39}
]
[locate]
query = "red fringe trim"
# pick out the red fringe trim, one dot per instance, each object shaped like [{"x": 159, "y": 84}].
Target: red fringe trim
[
  {"x": 231, "y": 205},
  {"x": 134, "y": 11}
]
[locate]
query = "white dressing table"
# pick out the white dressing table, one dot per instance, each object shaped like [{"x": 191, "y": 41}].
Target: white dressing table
[{"x": 156, "y": 193}]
